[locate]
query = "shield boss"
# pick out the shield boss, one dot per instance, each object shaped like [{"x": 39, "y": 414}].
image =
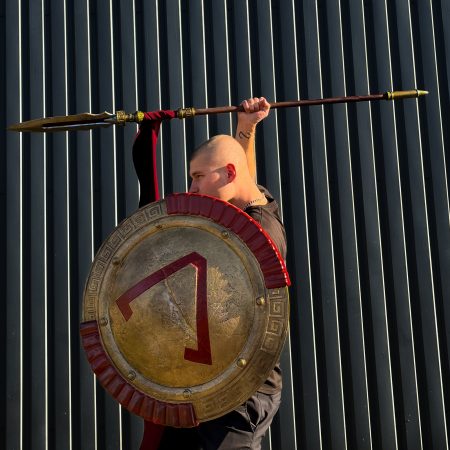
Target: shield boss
[{"x": 185, "y": 310}]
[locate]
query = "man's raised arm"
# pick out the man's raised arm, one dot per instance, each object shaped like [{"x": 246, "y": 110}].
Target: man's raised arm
[{"x": 255, "y": 110}]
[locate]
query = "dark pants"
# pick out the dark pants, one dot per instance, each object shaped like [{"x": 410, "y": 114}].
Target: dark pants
[{"x": 241, "y": 429}]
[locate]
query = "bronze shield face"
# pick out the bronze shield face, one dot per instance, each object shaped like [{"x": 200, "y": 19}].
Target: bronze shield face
[{"x": 185, "y": 310}]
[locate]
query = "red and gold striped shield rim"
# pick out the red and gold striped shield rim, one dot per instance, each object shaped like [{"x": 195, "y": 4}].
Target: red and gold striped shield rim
[{"x": 185, "y": 310}]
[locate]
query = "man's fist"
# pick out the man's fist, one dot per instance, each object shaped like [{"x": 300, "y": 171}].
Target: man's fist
[{"x": 255, "y": 110}]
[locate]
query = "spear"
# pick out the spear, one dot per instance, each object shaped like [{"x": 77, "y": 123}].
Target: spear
[{"x": 87, "y": 121}]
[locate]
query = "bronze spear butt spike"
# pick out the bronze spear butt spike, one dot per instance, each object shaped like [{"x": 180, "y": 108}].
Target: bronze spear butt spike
[{"x": 396, "y": 95}]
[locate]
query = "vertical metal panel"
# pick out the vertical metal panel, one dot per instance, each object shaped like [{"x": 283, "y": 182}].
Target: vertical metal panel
[
  {"x": 219, "y": 83},
  {"x": 176, "y": 87},
  {"x": 393, "y": 232},
  {"x": 84, "y": 407},
  {"x": 357, "y": 414},
  {"x": 324, "y": 287},
  {"x": 198, "y": 92},
  {"x": 241, "y": 50},
  {"x": 36, "y": 280},
  {"x": 149, "y": 67},
  {"x": 13, "y": 239},
  {"x": 432, "y": 155},
  {"x": 305, "y": 380},
  {"x": 102, "y": 20},
  {"x": 368, "y": 229},
  {"x": 423, "y": 294},
  {"x": 59, "y": 232},
  {"x": 439, "y": 161},
  {"x": 126, "y": 88},
  {"x": 437, "y": 216},
  {"x": 363, "y": 189},
  {"x": 3, "y": 221}
]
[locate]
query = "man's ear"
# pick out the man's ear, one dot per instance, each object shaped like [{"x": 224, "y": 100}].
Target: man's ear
[{"x": 231, "y": 172}]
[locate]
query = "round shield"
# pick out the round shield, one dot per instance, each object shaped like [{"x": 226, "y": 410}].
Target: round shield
[{"x": 185, "y": 310}]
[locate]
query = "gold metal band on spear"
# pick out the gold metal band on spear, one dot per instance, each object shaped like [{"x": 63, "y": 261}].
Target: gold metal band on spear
[{"x": 87, "y": 121}]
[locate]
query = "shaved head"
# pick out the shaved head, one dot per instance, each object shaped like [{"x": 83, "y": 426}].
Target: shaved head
[
  {"x": 219, "y": 168},
  {"x": 221, "y": 150}
]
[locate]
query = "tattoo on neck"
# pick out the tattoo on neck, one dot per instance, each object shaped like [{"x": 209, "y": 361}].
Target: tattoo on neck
[{"x": 245, "y": 135}]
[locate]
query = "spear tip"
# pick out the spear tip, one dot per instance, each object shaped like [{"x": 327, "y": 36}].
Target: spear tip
[{"x": 21, "y": 127}]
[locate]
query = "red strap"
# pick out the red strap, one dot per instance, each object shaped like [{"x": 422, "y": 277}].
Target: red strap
[{"x": 144, "y": 154}]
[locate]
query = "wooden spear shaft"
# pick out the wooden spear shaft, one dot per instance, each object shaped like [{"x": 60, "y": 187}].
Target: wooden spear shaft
[{"x": 183, "y": 113}]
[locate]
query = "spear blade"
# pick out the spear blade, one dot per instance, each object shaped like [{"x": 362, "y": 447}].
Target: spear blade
[{"x": 75, "y": 122}]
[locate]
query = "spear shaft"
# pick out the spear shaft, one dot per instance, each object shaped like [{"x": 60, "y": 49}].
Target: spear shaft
[
  {"x": 87, "y": 121},
  {"x": 395, "y": 95}
]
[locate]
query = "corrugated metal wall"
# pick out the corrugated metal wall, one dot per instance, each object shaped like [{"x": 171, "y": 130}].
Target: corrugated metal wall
[{"x": 363, "y": 188}]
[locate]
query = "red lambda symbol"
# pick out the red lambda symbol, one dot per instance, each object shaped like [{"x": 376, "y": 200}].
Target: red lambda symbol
[{"x": 203, "y": 354}]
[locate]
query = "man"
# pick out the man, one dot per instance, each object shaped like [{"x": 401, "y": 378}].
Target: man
[{"x": 225, "y": 167}]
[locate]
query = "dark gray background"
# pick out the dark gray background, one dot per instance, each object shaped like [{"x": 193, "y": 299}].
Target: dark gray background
[{"x": 363, "y": 189}]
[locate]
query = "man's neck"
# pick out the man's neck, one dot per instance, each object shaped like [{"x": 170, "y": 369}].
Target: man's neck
[{"x": 249, "y": 197}]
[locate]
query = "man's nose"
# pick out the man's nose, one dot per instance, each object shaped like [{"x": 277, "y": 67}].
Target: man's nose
[{"x": 193, "y": 188}]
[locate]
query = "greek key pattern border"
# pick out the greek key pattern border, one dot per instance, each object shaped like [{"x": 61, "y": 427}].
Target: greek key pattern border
[{"x": 103, "y": 258}]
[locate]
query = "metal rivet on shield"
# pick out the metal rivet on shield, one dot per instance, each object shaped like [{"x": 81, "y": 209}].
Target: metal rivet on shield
[
  {"x": 225, "y": 234},
  {"x": 261, "y": 301},
  {"x": 241, "y": 362},
  {"x": 159, "y": 226},
  {"x": 131, "y": 375},
  {"x": 187, "y": 393},
  {"x": 103, "y": 321}
]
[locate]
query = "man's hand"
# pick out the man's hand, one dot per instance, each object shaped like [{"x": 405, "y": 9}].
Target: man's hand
[{"x": 255, "y": 110}]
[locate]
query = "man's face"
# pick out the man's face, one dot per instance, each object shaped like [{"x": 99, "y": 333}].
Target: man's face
[{"x": 208, "y": 179}]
